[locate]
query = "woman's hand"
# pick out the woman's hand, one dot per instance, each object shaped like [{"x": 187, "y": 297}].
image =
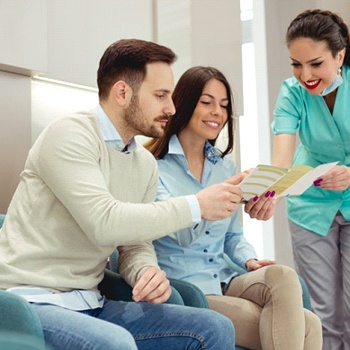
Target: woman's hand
[
  {"x": 261, "y": 208},
  {"x": 336, "y": 179},
  {"x": 253, "y": 264}
]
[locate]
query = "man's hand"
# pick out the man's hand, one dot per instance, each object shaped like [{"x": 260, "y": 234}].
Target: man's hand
[
  {"x": 253, "y": 264},
  {"x": 219, "y": 201},
  {"x": 237, "y": 179},
  {"x": 153, "y": 286}
]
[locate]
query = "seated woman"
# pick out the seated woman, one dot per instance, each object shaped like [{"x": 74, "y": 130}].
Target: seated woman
[{"x": 265, "y": 305}]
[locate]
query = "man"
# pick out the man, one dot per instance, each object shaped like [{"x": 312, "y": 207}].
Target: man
[{"x": 88, "y": 188}]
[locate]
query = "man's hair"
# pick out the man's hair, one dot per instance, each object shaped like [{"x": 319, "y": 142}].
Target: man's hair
[{"x": 126, "y": 60}]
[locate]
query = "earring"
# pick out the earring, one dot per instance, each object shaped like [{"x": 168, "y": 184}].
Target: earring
[{"x": 339, "y": 71}]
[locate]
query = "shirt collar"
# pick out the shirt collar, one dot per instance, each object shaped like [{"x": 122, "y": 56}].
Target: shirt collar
[
  {"x": 211, "y": 153},
  {"x": 175, "y": 146},
  {"x": 110, "y": 133}
]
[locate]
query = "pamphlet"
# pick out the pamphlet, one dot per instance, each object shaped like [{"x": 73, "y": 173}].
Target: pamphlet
[{"x": 285, "y": 182}]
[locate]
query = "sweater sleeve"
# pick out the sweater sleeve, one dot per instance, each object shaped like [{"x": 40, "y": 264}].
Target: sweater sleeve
[
  {"x": 133, "y": 261},
  {"x": 69, "y": 163}
]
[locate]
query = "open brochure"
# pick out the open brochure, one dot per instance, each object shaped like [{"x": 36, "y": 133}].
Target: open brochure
[{"x": 285, "y": 182}]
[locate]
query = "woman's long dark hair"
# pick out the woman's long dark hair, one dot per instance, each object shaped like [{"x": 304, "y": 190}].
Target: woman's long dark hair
[
  {"x": 320, "y": 25},
  {"x": 186, "y": 96}
]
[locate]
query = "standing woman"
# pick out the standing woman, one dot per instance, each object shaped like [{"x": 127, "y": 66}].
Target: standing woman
[
  {"x": 265, "y": 304},
  {"x": 316, "y": 103}
]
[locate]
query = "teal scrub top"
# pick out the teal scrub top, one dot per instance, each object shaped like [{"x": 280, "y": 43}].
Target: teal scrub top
[{"x": 324, "y": 138}]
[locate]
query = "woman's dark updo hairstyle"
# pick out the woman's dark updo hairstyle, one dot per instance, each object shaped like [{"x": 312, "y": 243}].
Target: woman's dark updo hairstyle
[{"x": 321, "y": 25}]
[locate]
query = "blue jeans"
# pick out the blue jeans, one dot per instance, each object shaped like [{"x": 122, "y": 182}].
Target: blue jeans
[{"x": 130, "y": 326}]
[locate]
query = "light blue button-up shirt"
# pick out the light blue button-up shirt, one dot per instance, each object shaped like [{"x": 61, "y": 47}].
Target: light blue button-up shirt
[
  {"x": 110, "y": 133},
  {"x": 196, "y": 254},
  {"x": 325, "y": 138}
]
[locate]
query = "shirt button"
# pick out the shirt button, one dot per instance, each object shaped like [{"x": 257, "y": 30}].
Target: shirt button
[
  {"x": 207, "y": 232},
  {"x": 211, "y": 260},
  {"x": 215, "y": 275},
  {"x": 205, "y": 250}
]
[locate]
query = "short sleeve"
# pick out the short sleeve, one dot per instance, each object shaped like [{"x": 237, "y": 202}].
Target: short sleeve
[{"x": 287, "y": 111}]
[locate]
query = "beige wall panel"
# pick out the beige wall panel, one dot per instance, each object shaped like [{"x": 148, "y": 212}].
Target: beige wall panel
[
  {"x": 79, "y": 31},
  {"x": 204, "y": 32},
  {"x": 15, "y": 132},
  {"x": 23, "y": 36}
]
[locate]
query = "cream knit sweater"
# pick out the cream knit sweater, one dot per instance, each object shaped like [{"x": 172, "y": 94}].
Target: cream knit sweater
[{"x": 77, "y": 200}]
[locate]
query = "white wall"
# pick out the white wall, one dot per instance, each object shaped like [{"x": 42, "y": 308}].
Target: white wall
[
  {"x": 23, "y": 36},
  {"x": 46, "y": 103},
  {"x": 23, "y": 39},
  {"x": 204, "y": 32},
  {"x": 79, "y": 31}
]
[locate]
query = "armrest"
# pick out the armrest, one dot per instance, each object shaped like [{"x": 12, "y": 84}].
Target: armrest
[
  {"x": 191, "y": 294},
  {"x": 17, "y": 315},
  {"x": 114, "y": 287},
  {"x": 19, "y": 341},
  {"x": 306, "y": 295},
  {"x": 2, "y": 219}
]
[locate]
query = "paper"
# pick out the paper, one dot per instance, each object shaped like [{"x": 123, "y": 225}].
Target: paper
[{"x": 285, "y": 182}]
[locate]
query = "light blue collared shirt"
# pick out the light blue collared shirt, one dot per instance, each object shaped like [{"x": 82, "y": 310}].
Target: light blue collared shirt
[
  {"x": 74, "y": 300},
  {"x": 110, "y": 133},
  {"x": 195, "y": 254}
]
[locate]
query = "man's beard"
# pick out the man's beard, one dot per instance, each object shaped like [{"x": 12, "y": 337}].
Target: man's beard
[{"x": 136, "y": 119}]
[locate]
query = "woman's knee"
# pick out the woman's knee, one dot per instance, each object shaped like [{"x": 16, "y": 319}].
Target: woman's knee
[
  {"x": 281, "y": 274},
  {"x": 284, "y": 283}
]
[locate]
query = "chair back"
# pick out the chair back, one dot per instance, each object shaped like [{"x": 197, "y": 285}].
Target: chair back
[
  {"x": 19, "y": 319},
  {"x": 2, "y": 218}
]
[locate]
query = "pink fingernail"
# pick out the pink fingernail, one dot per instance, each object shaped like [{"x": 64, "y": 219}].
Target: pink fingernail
[
  {"x": 272, "y": 193},
  {"x": 255, "y": 198},
  {"x": 267, "y": 194},
  {"x": 317, "y": 182}
]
